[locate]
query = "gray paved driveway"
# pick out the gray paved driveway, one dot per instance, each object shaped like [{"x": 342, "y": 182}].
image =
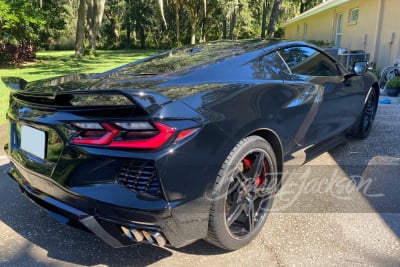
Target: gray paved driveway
[{"x": 342, "y": 208}]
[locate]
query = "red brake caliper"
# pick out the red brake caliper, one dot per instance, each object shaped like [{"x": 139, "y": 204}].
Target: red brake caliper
[{"x": 261, "y": 178}]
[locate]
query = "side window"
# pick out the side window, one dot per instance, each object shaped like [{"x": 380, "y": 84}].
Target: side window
[
  {"x": 269, "y": 67},
  {"x": 303, "y": 60}
]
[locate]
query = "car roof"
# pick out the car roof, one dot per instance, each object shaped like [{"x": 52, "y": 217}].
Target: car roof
[{"x": 201, "y": 54}]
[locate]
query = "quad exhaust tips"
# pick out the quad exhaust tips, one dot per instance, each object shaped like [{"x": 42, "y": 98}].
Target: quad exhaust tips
[
  {"x": 150, "y": 237},
  {"x": 159, "y": 238}
]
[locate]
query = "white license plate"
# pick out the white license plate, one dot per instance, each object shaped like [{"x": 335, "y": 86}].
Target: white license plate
[{"x": 33, "y": 141}]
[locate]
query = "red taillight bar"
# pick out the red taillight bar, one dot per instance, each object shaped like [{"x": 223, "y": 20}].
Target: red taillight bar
[
  {"x": 112, "y": 135},
  {"x": 164, "y": 135}
]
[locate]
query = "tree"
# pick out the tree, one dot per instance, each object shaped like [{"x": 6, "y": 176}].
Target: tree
[
  {"x": 94, "y": 17},
  {"x": 147, "y": 23},
  {"x": 308, "y": 4},
  {"x": 80, "y": 29},
  {"x": 161, "y": 5},
  {"x": 265, "y": 8},
  {"x": 128, "y": 12},
  {"x": 177, "y": 6},
  {"x": 92, "y": 12},
  {"x": 274, "y": 18},
  {"x": 22, "y": 20},
  {"x": 197, "y": 10},
  {"x": 114, "y": 25}
]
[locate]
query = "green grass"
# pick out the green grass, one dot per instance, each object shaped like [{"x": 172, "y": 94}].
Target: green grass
[{"x": 59, "y": 63}]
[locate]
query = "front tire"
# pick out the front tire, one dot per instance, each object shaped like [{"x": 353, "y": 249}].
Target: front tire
[
  {"x": 363, "y": 126},
  {"x": 242, "y": 194}
]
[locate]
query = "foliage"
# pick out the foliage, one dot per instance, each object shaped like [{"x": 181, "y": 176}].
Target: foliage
[
  {"x": 139, "y": 23},
  {"x": 52, "y": 24},
  {"x": 279, "y": 33},
  {"x": 36, "y": 22},
  {"x": 320, "y": 43},
  {"x": 12, "y": 54},
  {"x": 394, "y": 82}
]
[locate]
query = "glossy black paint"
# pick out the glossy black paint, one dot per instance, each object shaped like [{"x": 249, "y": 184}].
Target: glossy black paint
[{"x": 228, "y": 89}]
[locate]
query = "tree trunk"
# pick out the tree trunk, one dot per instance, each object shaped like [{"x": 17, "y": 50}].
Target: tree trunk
[
  {"x": 142, "y": 36},
  {"x": 224, "y": 28},
  {"x": 302, "y": 7},
  {"x": 89, "y": 18},
  {"x": 274, "y": 18},
  {"x": 264, "y": 18},
  {"x": 113, "y": 23},
  {"x": 161, "y": 5},
  {"x": 193, "y": 24},
  {"x": 177, "y": 24},
  {"x": 80, "y": 29},
  {"x": 98, "y": 11},
  {"x": 193, "y": 29},
  {"x": 232, "y": 24},
  {"x": 128, "y": 23},
  {"x": 204, "y": 22}
]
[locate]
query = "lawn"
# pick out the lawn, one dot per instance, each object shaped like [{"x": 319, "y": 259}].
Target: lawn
[{"x": 58, "y": 63}]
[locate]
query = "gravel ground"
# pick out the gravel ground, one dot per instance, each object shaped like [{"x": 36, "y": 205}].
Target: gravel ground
[{"x": 342, "y": 208}]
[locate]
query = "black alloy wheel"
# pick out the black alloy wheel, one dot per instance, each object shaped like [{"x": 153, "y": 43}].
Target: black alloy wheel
[{"x": 243, "y": 194}]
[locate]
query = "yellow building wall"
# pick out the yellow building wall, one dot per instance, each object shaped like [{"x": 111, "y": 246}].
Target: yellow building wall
[
  {"x": 377, "y": 30},
  {"x": 318, "y": 27},
  {"x": 388, "y": 40}
]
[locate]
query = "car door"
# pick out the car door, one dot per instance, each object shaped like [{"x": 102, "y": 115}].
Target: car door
[{"x": 336, "y": 106}]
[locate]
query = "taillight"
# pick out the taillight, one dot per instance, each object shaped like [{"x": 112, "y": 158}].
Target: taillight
[
  {"x": 131, "y": 135},
  {"x": 160, "y": 138},
  {"x": 95, "y": 133},
  {"x": 186, "y": 133}
]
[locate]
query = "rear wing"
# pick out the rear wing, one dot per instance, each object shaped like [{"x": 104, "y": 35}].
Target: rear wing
[
  {"x": 146, "y": 101},
  {"x": 14, "y": 83}
]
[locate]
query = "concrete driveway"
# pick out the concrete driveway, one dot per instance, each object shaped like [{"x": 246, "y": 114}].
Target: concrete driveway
[{"x": 342, "y": 208}]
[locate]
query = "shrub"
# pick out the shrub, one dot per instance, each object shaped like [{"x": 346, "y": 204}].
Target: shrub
[
  {"x": 14, "y": 54},
  {"x": 394, "y": 82},
  {"x": 320, "y": 43}
]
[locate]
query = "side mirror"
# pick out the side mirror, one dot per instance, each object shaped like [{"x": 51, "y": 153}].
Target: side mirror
[{"x": 360, "y": 67}]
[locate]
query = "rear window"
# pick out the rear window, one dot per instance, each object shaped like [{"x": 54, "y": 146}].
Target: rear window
[{"x": 178, "y": 59}]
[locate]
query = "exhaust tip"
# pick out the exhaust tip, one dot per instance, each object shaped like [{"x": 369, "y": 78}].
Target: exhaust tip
[
  {"x": 126, "y": 232},
  {"x": 148, "y": 237},
  {"x": 154, "y": 238},
  {"x": 159, "y": 238},
  {"x": 137, "y": 235}
]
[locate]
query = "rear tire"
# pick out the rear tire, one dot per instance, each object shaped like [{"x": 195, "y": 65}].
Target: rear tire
[{"x": 242, "y": 194}]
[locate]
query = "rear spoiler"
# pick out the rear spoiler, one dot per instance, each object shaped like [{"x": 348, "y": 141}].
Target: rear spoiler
[
  {"x": 17, "y": 83},
  {"x": 14, "y": 83},
  {"x": 147, "y": 101}
]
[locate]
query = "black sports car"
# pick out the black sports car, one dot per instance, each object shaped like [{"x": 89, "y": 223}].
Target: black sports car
[{"x": 185, "y": 145}]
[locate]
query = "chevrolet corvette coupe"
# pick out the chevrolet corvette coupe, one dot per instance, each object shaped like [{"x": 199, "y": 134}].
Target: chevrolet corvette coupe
[{"x": 189, "y": 144}]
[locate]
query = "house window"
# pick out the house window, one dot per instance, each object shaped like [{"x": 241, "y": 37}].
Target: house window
[
  {"x": 305, "y": 31},
  {"x": 339, "y": 29},
  {"x": 353, "y": 16}
]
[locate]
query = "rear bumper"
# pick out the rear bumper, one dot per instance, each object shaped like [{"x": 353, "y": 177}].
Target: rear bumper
[
  {"x": 118, "y": 226},
  {"x": 72, "y": 216}
]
